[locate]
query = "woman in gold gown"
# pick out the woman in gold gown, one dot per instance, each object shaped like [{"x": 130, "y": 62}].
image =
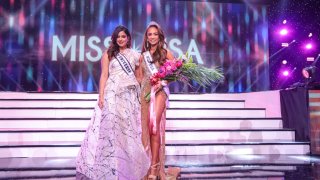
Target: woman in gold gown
[{"x": 153, "y": 122}]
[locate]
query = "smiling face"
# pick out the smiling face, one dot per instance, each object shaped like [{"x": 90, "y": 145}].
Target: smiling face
[
  {"x": 122, "y": 39},
  {"x": 153, "y": 36}
]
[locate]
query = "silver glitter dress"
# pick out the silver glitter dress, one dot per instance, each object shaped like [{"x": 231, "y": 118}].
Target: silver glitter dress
[{"x": 112, "y": 147}]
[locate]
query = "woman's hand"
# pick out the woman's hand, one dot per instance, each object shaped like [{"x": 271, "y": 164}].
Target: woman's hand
[
  {"x": 101, "y": 102},
  {"x": 159, "y": 86}
]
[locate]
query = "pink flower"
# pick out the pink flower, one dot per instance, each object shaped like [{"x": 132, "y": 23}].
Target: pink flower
[
  {"x": 162, "y": 72},
  {"x": 174, "y": 67},
  {"x": 178, "y": 63},
  {"x": 168, "y": 68},
  {"x": 154, "y": 79},
  {"x": 167, "y": 71}
]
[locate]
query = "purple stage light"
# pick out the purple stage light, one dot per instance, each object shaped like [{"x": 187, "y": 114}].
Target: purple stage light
[
  {"x": 309, "y": 46},
  {"x": 284, "y": 21},
  {"x": 284, "y": 62},
  {"x": 285, "y": 73},
  {"x": 283, "y": 32}
]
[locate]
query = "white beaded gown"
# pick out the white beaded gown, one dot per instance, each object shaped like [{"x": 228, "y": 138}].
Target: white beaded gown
[{"x": 112, "y": 147}]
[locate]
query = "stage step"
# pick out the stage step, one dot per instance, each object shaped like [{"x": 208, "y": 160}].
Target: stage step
[
  {"x": 237, "y": 168},
  {"x": 171, "y": 123},
  {"x": 223, "y": 166},
  {"x": 70, "y": 149},
  {"x": 252, "y": 174},
  {"x": 238, "y": 148},
  {"x": 90, "y": 103},
  {"x": 186, "y": 173},
  {"x": 229, "y": 136},
  {"x": 172, "y": 136},
  {"x": 229, "y": 160},
  {"x": 94, "y": 96},
  {"x": 40, "y": 174},
  {"x": 53, "y": 125},
  {"x": 214, "y": 162},
  {"x": 215, "y": 112},
  {"x": 223, "y": 123},
  {"x": 48, "y": 95},
  {"x": 171, "y": 112}
]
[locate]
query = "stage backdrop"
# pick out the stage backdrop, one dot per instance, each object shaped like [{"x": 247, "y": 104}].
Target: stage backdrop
[{"x": 56, "y": 45}]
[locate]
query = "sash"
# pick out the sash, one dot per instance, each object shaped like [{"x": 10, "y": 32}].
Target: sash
[
  {"x": 148, "y": 59},
  {"x": 124, "y": 63}
]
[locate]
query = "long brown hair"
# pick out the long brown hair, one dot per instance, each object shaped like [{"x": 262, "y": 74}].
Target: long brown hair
[
  {"x": 114, "y": 48},
  {"x": 161, "y": 53}
]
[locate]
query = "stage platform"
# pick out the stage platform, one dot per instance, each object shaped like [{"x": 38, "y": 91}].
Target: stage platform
[{"x": 210, "y": 136}]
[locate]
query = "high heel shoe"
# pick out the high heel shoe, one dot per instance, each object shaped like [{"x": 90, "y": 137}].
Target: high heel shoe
[
  {"x": 173, "y": 173},
  {"x": 155, "y": 167}
]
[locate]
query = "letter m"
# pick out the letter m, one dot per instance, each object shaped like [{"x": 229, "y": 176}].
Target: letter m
[{"x": 71, "y": 44}]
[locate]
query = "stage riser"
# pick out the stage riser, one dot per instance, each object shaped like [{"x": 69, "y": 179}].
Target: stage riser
[
  {"x": 202, "y": 137},
  {"x": 236, "y": 136},
  {"x": 38, "y": 174},
  {"x": 219, "y": 113},
  {"x": 232, "y": 160},
  {"x": 171, "y": 113},
  {"x": 170, "y": 124},
  {"x": 170, "y": 150},
  {"x": 224, "y": 124},
  {"x": 53, "y": 125},
  {"x": 92, "y": 103},
  {"x": 187, "y": 163},
  {"x": 186, "y": 172},
  {"x": 22, "y": 172},
  {"x": 238, "y": 149},
  {"x": 94, "y": 96},
  {"x": 256, "y": 175},
  {"x": 237, "y": 168}
]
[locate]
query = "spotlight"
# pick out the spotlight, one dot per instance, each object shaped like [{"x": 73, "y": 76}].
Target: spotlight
[
  {"x": 308, "y": 72},
  {"x": 284, "y": 21},
  {"x": 310, "y": 35},
  {"x": 284, "y": 62},
  {"x": 308, "y": 46},
  {"x": 285, "y": 73},
  {"x": 283, "y": 32}
]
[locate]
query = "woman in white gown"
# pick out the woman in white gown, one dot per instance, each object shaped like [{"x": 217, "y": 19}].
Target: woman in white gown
[{"x": 112, "y": 147}]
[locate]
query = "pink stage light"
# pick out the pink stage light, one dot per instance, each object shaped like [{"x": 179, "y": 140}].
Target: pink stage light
[
  {"x": 309, "y": 46},
  {"x": 285, "y": 73},
  {"x": 283, "y": 32},
  {"x": 284, "y": 62}
]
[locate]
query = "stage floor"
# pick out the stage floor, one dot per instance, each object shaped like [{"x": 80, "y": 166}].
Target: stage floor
[{"x": 275, "y": 167}]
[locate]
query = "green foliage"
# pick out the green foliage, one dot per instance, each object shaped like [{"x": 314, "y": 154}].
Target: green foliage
[{"x": 202, "y": 75}]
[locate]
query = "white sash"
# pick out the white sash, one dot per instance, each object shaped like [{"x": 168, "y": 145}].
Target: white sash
[
  {"x": 124, "y": 63},
  {"x": 148, "y": 59}
]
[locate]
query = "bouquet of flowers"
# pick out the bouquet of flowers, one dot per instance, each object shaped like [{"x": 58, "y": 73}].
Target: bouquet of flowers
[{"x": 184, "y": 70}]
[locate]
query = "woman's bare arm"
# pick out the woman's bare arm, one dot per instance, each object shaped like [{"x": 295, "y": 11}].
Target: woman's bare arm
[
  {"x": 103, "y": 77},
  {"x": 139, "y": 71}
]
